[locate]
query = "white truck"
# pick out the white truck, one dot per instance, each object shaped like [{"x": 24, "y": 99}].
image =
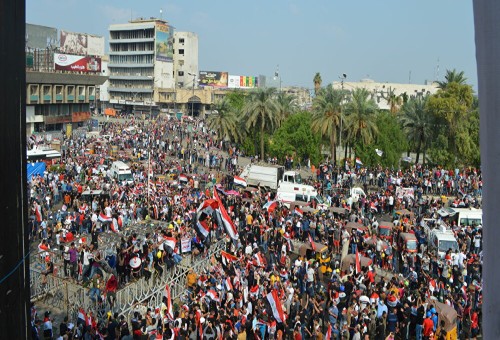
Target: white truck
[
  {"x": 267, "y": 176},
  {"x": 121, "y": 172},
  {"x": 287, "y": 184}
]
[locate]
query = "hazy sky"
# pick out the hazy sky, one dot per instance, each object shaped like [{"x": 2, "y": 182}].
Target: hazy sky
[{"x": 382, "y": 40}]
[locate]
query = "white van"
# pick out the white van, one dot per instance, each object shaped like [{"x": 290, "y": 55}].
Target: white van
[
  {"x": 312, "y": 198},
  {"x": 442, "y": 239},
  {"x": 121, "y": 172},
  {"x": 467, "y": 216}
]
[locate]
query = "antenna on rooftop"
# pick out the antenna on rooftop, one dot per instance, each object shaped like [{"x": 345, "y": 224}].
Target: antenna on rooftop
[
  {"x": 409, "y": 78},
  {"x": 161, "y": 13}
]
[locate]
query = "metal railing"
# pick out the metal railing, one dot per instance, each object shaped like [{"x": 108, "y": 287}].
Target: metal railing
[{"x": 68, "y": 296}]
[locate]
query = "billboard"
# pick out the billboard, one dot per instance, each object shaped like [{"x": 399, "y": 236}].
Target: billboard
[
  {"x": 95, "y": 45},
  {"x": 81, "y": 43},
  {"x": 214, "y": 79},
  {"x": 242, "y": 82},
  {"x": 40, "y": 37},
  {"x": 75, "y": 43},
  {"x": 76, "y": 63},
  {"x": 164, "y": 44}
]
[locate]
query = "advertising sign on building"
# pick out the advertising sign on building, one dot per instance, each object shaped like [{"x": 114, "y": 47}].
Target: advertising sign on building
[
  {"x": 214, "y": 79},
  {"x": 81, "y": 43},
  {"x": 40, "y": 37},
  {"x": 242, "y": 82},
  {"x": 164, "y": 44},
  {"x": 95, "y": 45},
  {"x": 76, "y": 63}
]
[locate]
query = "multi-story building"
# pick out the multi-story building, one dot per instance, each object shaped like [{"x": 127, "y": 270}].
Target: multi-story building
[
  {"x": 380, "y": 91},
  {"x": 61, "y": 85},
  {"x": 185, "y": 59}
]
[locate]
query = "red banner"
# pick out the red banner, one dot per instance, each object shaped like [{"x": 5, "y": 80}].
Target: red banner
[{"x": 76, "y": 63}]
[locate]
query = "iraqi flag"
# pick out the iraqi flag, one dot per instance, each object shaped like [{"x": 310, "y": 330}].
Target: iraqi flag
[
  {"x": 166, "y": 294},
  {"x": 259, "y": 260},
  {"x": 254, "y": 291},
  {"x": 358, "y": 262},
  {"x": 208, "y": 206},
  {"x": 213, "y": 295},
  {"x": 240, "y": 181},
  {"x": 203, "y": 228},
  {"x": 270, "y": 206},
  {"x": 83, "y": 208},
  {"x": 114, "y": 225},
  {"x": 328, "y": 335},
  {"x": 104, "y": 218},
  {"x": 358, "y": 161},
  {"x": 227, "y": 223},
  {"x": 38, "y": 212},
  {"x": 229, "y": 285},
  {"x": 227, "y": 258},
  {"x": 276, "y": 306},
  {"x": 170, "y": 242},
  {"x": 313, "y": 245},
  {"x": 82, "y": 315},
  {"x": 299, "y": 211},
  {"x": 183, "y": 178}
]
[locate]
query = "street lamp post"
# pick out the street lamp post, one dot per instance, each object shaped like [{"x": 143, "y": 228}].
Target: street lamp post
[
  {"x": 192, "y": 102},
  {"x": 150, "y": 137},
  {"x": 342, "y": 78}
]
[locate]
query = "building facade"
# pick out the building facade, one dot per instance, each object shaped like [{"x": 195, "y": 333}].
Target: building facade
[
  {"x": 62, "y": 87},
  {"x": 380, "y": 91},
  {"x": 140, "y": 62},
  {"x": 185, "y": 59}
]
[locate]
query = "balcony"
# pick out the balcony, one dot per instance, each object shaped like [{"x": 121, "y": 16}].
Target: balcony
[
  {"x": 47, "y": 97},
  {"x": 71, "y": 97},
  {"x": 91, "y": 97},
  {"x": 59, "y": 97},
  {"x": 81, "y": 97},
  {"x": 34, "y": 98}
]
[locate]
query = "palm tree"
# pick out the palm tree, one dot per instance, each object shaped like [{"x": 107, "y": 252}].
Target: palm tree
[
  {"x": 452, "y": 77},
  {"x": 327, "y": 111},
  {"x": 416, "y": 121},
  {"x": 317, "y": 83},
  {"x": 394, "y": 101},
  {"x": 261, "y": 113},
  {"x": 361, "y": 117},
  {"x": 224, "y": 121},
  {"x": 287, "y": 105}
]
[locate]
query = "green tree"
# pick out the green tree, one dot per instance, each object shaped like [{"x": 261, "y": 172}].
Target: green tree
[
  {"x": 295, "y": 137},
  {"x": 361, "y": 113},
  {"x": 224, "y": 121},
  {"x": 452, "y": 76},
  {"x": 317, "y": 83},
  {"x": 287, "y": 105},
  {"x": 417, "y": 123},
  {"x": 261, "y": 113},
  {"x": 390, "y": 139},
  {"x": 452, "y": 107},
  {"x": 394, "y": 101},
  {"x": 327, "y": 111}
]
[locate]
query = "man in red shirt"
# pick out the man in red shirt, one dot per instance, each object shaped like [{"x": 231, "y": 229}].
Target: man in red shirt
[{"x": 428, "y": 326}]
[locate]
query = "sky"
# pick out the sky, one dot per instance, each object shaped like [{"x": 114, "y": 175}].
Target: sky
[{"x": 387, "y": 41}]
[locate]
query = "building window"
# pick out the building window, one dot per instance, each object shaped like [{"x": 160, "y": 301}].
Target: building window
[
  {"x": 180, "y": 73},
  {"x": 181, "y": 51},
  {"x": 181, "y": 40}
]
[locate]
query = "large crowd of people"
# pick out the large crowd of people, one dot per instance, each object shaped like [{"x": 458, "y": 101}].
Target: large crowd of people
[{"x": 291, "y": 272}]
